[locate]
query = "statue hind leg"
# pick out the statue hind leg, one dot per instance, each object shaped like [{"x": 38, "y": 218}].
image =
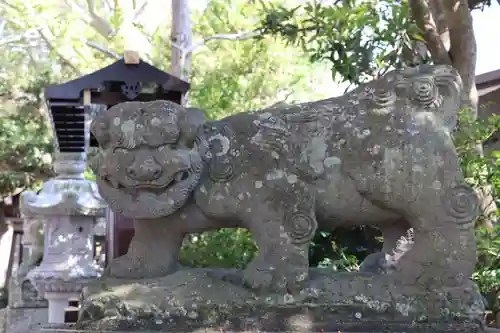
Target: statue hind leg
[
  {"x": 428, "y": 190},
  {"x": 383, "y": 261}
]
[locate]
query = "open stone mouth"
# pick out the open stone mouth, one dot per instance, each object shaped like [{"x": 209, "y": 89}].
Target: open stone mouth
[{"x": 177, "y": 178}]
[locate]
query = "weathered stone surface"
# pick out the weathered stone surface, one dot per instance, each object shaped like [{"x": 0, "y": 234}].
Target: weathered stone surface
[
  {"x": 359, "y": 327},
  {"x": 362, "y": 327},
  {"x": 369, "y": 328},
  {"x": 21, "y": 293},
  {"x": 68, "y": 204},
  {"x": 3, "y": 315},
  {"x": 381, "y": 155},
  {"x": 203, "y": 298},
  {"x": 24, "y": 320}
]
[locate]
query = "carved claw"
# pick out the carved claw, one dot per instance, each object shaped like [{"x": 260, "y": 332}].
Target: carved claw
[
  {"x": 257, "y": 278},
  {"x": 263, "y": 276}
]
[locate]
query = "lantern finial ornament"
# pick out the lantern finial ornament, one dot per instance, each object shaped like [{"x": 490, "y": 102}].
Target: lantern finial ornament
[{"x": 131, "y": 57}]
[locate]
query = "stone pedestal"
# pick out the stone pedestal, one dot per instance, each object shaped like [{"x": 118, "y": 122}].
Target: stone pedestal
[
  {"x": 212, "y": 300},
  {"x": 58, "y": 302},
  {"x": 69, "y": 206}
]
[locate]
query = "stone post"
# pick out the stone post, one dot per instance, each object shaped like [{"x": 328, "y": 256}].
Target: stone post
[
  {"x": 69, "y": 206},
  {"x": 27, "y": 254}
]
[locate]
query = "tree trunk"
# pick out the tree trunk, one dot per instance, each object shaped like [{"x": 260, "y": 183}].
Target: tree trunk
[
  {"x": 181, "y": 37},
  {"x": 449, "y": 35}
]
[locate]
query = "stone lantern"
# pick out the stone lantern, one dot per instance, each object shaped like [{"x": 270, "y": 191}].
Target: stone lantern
[
  {"x": 127, "y": 79},
  {"x": 69, "y": 206}
]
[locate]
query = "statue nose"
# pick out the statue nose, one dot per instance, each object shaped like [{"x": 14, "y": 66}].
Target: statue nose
[{"x": 146, "y": 171}]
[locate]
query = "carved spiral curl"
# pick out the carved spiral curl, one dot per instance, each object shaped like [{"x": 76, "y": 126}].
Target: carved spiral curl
[
  {"x": 302, "y": 228},
  {"x": 384, "y": 98},
  {"x": 202, "y": 146},
  {"x": 425, "y": 92},
  {"x": 462, "y": 204},
  {"x": 221, "y": 166},
  {"x": 197, "y": 162},
  {"x": 221, "y": 169}
]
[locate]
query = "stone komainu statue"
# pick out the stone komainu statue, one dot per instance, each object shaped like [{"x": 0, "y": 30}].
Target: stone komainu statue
[{"x": 380, "y": 155}]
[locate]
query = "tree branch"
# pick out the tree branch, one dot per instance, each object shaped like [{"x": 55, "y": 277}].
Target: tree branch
[
  {"x": 97, "y": 22},
  {"x": 103, "y": 49},
  {"x": 422, "y": 14},
  {"x": 235, "y": 37},
  {"x": 12, "y": 39},
  {"x": 132, "y": 17},
  {"x": 442, "y": 27},
  {"x": 191, "y": 49},
  {"x": 47, "y": 41},
  {"x": 90, "y": 17},
  {"x": 64, "y": 60},
  {"x": 463, "y": 48}
]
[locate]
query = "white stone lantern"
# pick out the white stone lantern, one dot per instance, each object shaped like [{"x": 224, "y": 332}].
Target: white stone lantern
[{"x": 69, "y": 206}]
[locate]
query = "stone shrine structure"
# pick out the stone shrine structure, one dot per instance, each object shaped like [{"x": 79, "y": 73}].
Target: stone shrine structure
[
  {"x": 381, "y": 155},
  {"x": 69, "y": 206}
]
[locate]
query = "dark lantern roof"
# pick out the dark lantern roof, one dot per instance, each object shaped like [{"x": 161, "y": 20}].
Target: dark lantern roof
[
  {"x": 118, "y": 71},
  {"x": 116, "y": 83}
]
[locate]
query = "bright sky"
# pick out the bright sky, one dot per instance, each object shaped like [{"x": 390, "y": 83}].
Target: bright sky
[{"x": 488, "y": 42}]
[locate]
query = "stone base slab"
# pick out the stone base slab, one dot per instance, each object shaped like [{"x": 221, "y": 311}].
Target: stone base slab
[
  {"x": 198, "y": 299},
  {"x": 348, "y": 328}
]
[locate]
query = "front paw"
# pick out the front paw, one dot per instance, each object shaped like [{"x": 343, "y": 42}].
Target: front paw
[
  {"x": 122, "y": 267},
  {"x": 257, "y": 275},
  {"x": 282, "y": 278}
]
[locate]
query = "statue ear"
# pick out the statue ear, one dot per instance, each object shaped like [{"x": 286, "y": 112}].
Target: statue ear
[
  {"x": 100, "y": 129},
  {"x": 192, "y": 119}
]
